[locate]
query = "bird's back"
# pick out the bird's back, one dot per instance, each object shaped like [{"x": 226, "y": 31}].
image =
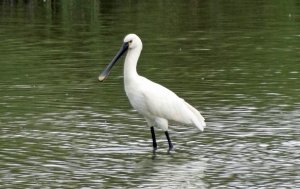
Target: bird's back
[{"x": 154, "y": 100}]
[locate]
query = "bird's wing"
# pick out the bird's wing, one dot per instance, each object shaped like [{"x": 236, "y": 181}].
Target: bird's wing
[{"x": 161, "y": 102}]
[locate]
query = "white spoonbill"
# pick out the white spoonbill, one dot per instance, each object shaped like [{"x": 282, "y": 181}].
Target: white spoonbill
[{"x": 155, "y": 102}]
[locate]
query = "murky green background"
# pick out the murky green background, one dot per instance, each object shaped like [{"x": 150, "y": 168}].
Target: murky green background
[{"x": 236, "y": 61}]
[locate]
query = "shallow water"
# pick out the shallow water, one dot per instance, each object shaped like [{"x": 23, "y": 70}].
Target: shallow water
[{"x": 238, "y": 63}]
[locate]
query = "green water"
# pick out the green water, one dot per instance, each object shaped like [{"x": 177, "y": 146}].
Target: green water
[{"x": 235, "y": 61}]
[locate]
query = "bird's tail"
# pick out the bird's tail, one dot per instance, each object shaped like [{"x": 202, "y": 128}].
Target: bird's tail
[{"x": 199, "y": 120}]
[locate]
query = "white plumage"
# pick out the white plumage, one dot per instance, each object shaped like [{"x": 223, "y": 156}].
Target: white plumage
[{"x": 155, "y": 102}]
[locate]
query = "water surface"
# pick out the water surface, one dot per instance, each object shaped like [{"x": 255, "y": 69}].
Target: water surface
[{"x": 237, "y": 62}]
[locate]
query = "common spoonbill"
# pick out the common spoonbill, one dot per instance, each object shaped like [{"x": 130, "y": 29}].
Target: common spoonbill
[{"x": 155, "y": 102}]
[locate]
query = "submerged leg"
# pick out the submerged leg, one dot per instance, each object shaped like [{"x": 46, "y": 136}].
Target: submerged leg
[
  {"x": 153, "y": 138},
  {"x": 169, "y": 140}
]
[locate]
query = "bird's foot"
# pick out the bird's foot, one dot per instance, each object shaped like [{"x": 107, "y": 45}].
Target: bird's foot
[
  {"x": 154, "y": 148},
  {"x": 171, "y": 148}
]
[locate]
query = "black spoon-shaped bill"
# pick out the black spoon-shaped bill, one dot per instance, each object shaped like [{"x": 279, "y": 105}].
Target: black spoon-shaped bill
[{"x": 104, "y": 74}]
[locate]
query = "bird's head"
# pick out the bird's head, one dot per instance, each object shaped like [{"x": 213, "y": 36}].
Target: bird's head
[{"x": 131, "y": 42}]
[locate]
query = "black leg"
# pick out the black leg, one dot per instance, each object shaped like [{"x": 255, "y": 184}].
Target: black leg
[
  {"x": 169, "y": 140},
  {"x": 153, "y": 138}
]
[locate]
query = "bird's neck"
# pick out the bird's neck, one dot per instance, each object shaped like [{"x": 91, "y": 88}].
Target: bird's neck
[{"x": 131, "y": 60}]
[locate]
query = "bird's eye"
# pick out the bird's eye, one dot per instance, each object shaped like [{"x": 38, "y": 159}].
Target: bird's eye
[{"x": 130, "y": 41}]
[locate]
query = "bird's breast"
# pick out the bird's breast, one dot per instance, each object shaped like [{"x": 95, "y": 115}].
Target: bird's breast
[{"x": 137, "y": 99}]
